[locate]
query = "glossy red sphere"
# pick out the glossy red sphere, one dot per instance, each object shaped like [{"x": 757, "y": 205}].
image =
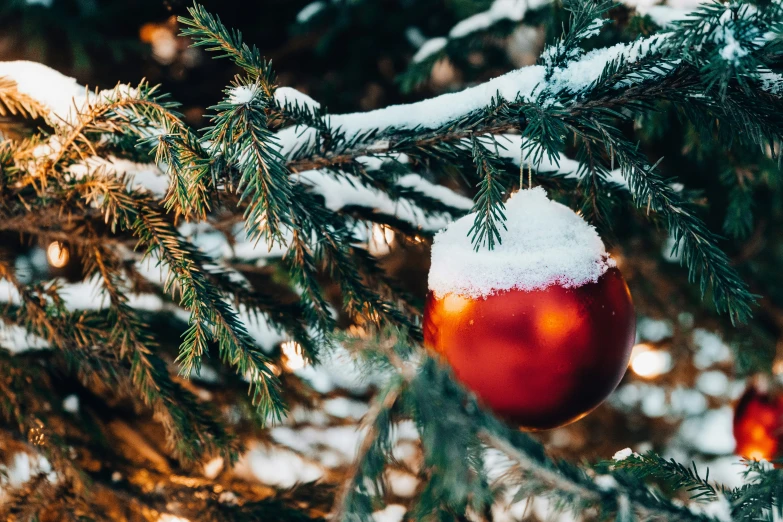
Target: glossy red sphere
[
  {"x": 758, "y": 425},
  {"x": 539, "y": 359}
]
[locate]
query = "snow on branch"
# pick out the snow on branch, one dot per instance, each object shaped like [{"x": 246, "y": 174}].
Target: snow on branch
[
  {"x": 503, "y": 12},
  {"x": 64, "y": 98},
  {"x": 524, "y": 85}
]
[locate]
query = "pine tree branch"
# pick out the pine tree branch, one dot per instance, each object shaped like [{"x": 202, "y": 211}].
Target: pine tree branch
[
  {"x": 488, "y": 205},
  {"x": 211, "y": 317}
]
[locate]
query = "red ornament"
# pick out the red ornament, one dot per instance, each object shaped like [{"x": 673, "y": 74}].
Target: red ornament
[
  {"x": 758, "y": 425},
  {"x": 541, "y": 327},
  {"x": 541, "y": 358}
]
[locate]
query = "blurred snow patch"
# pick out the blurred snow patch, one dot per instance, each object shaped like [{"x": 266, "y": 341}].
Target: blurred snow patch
[
  {"x": 654, "y": 402},
  {"x": 276, "y": 467},
  {"x": 687, "y": 401},
  {"x": 713, "y": 383},
  {"x": 544, "y": 509},
  {"x": 430, "y": 47},
  {"x": 345, "y": 408},
  {"x": 16, "y": 339},
  {"x": 402, "y": 484},
  {"x": 391, "y": 513},
  {"x": 622, "y": 454},
  {"x": 605, "y": 482},
  {"x": 71, "y": 404},
  {"x": 309, "y": 11},
  {"x": 21, "y": 468},
  {"x": 711, "y": 349},
  {"x": 710, "y": 433},
  {"x": 310, "y": 441},
  {"x": 723, "y": 470},
  {"x": 653, "y": 330},
  {"x": 719, "y": 510}
]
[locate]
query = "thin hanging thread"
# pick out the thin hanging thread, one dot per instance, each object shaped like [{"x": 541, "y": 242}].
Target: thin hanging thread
[{"x": 522, "y": 175}]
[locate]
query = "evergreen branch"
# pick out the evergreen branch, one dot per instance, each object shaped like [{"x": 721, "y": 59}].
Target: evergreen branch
[
  {"x": 673, "y": 474},
  {"x": 700, "y": 253},
  {"x": 341, "y": 262},
  {"x": 351, "y": 501},
  {"x": 587, "y": 19},
  {"x": 488, "y": 203},
  {"x": 211, "y": 318},
  {"x": 739, "y": 213},
  {"x": 467, "y": 36},
  {"x": 190, "y": 168},
  {"x": 455, "y": 433},
  {"x": 192, "y": 431},
  {"x": 111, "y": 114},
  {"x": 208, "y": 31},
  {"x": 240, "y": 132},
  {"x": 760, "y": 499}
]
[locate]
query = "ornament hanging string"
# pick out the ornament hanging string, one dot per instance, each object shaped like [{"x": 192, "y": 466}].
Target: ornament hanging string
[{"x": 522, "y": 175}]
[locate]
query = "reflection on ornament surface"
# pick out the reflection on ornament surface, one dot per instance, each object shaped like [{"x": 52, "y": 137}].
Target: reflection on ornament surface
[
  {"x": 540, "y": 358},
  {"x": 758, "y": 425}
]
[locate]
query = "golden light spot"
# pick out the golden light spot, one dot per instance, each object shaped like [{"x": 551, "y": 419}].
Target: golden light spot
[
  {"x": 382, "y": 233},
  {"x": 358, "y": 331},
  {"x": 168, "y": 517},
  {"x": 213, "y": 468},
  {"x": 57, "y": 254},
  {"x": 275, "y": 368},
  {"x": 292, "y": 355},
  {"x": 648, "y": 362},
  {"x": 455, "y": 304},
  {"x": 381, "y": 240},
  {"x": 756, "y": 455}
]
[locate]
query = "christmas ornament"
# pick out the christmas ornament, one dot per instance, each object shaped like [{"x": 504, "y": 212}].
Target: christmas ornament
[
  {"x": 758, "y": 424},
  {"x": 540, "y": 328}
]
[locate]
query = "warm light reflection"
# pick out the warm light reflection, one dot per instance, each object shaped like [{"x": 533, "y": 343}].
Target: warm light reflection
[
  {"x": 57, "y": 254},
  {"x": 756, "y": 455},
  {"x": 213, "y": 468},
  {"x": 648, "y": 362},
  {"x": 168, "y": 517},
  {"x": 381, "y": 240},
  {"x": 358, "y": 331},
  {"x": 275, "y": 368},
  {"x": 292, "y": 355},
  {"x": 162, "y": 38},
  {"x": 455, "y": 304},
  {"x": 558, "y": 320}
]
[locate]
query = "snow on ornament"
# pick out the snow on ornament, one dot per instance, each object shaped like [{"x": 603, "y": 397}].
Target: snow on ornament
[{"x": 541, "y": 327}]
